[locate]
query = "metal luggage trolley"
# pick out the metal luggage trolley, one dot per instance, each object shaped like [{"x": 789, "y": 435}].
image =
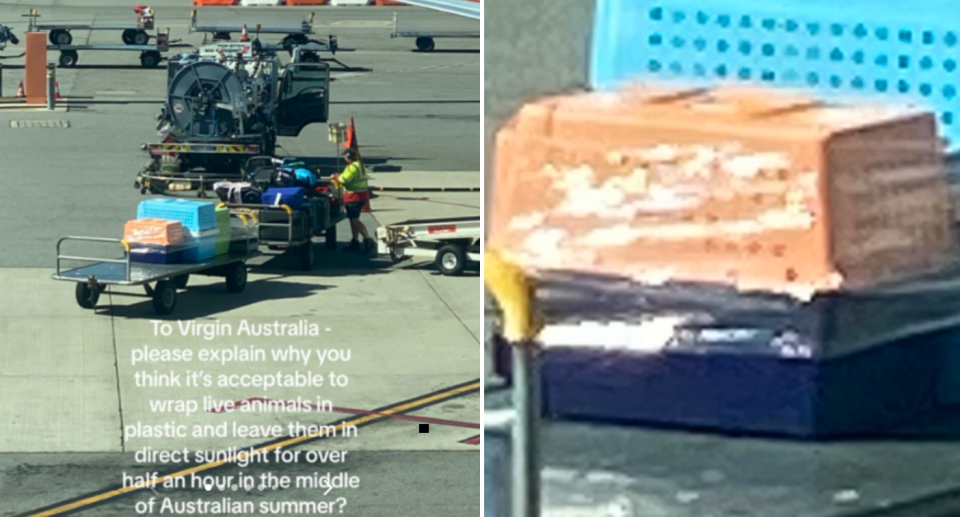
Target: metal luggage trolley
[
  {"x": 294, "y": 35},
  {"x": 135, "y": 39},
  {"x": 92, "y": 279},
  {"x": 133, "y": 33},
  {"x": 424, "y": 39},
  {"x": 282, "y": 228},
  {"x": 454, "y": 243}
]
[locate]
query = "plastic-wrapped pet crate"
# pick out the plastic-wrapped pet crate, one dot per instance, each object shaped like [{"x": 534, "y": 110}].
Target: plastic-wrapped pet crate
[
  {"x": 876, "y": 48},
  {"x": 225, "y": 233},
  {"x": 157, "y": 253},
  {"x": 202, "y": 247},
  {"x": 195, "y": 216}
]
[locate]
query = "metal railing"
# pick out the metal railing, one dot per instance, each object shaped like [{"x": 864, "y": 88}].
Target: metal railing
[
  {"x": 287, "y": 209},
  {"x": 125, "y": 261}
]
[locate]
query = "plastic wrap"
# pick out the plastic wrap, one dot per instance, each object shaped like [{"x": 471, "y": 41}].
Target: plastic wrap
[
  {"x": 154, "y": 231},
  {"x": 713, "y": 319},
  {"x": 745, "y": 186}
]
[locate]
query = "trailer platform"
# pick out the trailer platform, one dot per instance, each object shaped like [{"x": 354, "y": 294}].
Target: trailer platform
[
  {"x": 424, "y": 39},
  {"x": 295, "y": 35},
  {"x": 133, "y": 33},
  {"x": 453, "y": 242},
  {"x": 93, "y": 278}
]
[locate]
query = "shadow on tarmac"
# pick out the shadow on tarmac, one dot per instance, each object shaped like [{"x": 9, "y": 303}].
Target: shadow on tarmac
[
  {"x": 408, "y": 102},
  {"x": 431, "y": 269},
  {"x": 208, "y": 300},
  {"x": 113, "y": 67},
  {"x": 327, "y": 264},
  {"x": 448, "y": 51}
]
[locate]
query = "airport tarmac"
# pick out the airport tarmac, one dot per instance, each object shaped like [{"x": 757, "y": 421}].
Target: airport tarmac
[{"x": 66, "y": 373}]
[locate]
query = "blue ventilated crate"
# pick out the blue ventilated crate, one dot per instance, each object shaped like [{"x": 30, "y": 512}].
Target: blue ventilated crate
[
  {"x": 906, "y": 52},
  {"x": 201, "y": 248},
  {"x": 195, "y": 216}
]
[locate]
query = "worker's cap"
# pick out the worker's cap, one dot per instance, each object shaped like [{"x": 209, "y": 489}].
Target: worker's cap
[{"x": 350, "y": 154}]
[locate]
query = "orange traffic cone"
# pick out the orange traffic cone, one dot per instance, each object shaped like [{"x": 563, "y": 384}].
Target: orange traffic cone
[
  {"x": 243, "y": 33},
  {"x": 20, "y": 92},
  {"x": 56, "y": 86}
]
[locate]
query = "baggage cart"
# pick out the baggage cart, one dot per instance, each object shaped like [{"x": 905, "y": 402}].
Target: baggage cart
[
  {"x": 133, "y": 33},
  {"x": 424, "y": 39},
  {"x": 160, "y": 281},
  {"x": 281, "y": 228},
  {"x": 150, "y": 55},
  {"x": 454, "y": 243}
]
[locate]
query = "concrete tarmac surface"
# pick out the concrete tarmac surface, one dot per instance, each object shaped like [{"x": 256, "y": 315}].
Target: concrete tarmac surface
[{"x": 66, "y": 376}]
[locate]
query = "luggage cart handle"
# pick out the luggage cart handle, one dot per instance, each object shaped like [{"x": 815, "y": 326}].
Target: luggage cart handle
[
  {"x": 125, "y": 244},
  {"x": 286, "y": 208}
]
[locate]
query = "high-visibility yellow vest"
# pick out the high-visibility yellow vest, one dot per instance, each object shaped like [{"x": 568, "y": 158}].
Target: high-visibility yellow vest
[{"x": 354, "y": 178}]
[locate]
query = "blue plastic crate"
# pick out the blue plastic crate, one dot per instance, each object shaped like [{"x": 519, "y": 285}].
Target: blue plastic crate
[
  {"x": 196, "y": 216},
  {"x": 199, "y": 249},
  {"x": 906, "y": 52}
]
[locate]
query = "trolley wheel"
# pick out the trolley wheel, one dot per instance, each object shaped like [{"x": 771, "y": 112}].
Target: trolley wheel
[
  {"x": 330, "y": 238},
  {"x": 127, "y": 36},
  {"x": 86, "y": 297},
  {"x": 396, "y": 257},
  {"x": 61, "y": 37},
  {"x": 237, "y": 277},
  {"x": 181, "y": 281},
  {"x": 150, "y": 59},
  {"x": 69, "y": 58},
  {"x": 164, "y": 297},
  {"x": 306, "y": 256},
  {"x": 450, "y": 260},
  {"x": 140, "y": 38},
  {"x": 293, "y": 40},
  {"x": 52, "y": 36},
  {"x": 425, "y": 44}
]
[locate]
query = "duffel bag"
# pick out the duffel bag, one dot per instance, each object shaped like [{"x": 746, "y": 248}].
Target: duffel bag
[
  {"x": 292, "y": 197},
  {"x": 238, "y": 192}
]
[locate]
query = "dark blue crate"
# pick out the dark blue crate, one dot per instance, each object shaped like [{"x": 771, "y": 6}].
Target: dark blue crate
[
  {"x": 292, "y": 197},
  {"x": 156, "y": 255}
]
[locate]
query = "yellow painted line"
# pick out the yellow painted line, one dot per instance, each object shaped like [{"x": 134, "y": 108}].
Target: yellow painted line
[{"x": 413, "y": 404}]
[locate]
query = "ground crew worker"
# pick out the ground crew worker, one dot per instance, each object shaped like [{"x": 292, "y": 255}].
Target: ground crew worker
[{"x": 355, "y": 196}]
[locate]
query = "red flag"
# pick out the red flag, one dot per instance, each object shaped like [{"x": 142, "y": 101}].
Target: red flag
[{"x": 351, "y": 142}]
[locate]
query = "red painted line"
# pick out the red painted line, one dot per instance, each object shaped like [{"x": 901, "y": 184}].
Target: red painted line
[
  {"x": 421, "y": 419},
  {"x": 472, "y": 441}
]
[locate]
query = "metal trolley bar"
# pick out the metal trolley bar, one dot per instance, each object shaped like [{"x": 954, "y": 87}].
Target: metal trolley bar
[
  {"x": 289, "y": 225},
  {"x": 126, "y": 249},
  {"x": 92, "y": 279}
]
